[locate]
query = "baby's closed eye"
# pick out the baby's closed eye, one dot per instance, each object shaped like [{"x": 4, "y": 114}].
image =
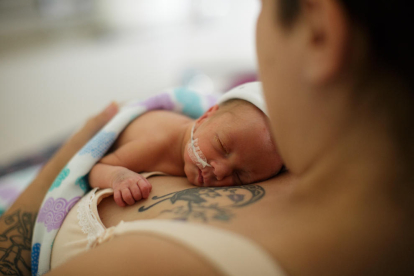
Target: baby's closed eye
[{"x": 221, "y": 146}]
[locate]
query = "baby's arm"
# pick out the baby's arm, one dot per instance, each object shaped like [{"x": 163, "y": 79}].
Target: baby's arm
[{"x": 118, "y": 170}]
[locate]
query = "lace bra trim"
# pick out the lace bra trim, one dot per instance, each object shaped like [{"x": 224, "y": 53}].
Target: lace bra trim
[{"x": 87, "y": 220}]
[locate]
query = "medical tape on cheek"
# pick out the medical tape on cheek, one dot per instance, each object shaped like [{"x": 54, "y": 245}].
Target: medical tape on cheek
[{"x": 195, "y": 152}]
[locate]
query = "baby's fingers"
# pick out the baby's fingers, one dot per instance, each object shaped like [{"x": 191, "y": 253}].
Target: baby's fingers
[
  {"x": 127, "y": 196},
  {"x": 145, "y": 187},
  {"x": 118, "y": 198},
  {"x": 136, "y": 192}
]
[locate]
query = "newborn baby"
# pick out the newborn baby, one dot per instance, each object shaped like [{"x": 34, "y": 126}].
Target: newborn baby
[{"x": 230, "y": 144}]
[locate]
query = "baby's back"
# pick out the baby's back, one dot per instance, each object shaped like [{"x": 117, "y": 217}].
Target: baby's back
[{"x": 157, "y": 126}]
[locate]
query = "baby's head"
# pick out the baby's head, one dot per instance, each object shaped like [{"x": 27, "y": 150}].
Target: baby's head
[{"x": 232, "y": 145}]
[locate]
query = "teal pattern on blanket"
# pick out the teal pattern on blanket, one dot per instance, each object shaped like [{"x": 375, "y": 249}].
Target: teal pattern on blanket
[
  {"x": 62, "y": 175},
  {"x": 83, "y": 183},
  {"x": 72, "y": 182},
  {"x": 191, "y": 102}
]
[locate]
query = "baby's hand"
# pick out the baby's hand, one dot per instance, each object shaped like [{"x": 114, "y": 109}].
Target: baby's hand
[{"x": 130, "y": 187}]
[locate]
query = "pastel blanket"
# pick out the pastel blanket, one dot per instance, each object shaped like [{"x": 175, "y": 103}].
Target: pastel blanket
[{"x": 71, "y": 184}]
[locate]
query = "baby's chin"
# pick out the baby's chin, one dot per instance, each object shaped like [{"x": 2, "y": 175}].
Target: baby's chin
[{"x": 194, "y": 181}]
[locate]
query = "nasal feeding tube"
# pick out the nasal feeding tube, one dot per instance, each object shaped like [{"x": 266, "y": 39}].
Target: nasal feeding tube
[{"x": 195, "y": 152}]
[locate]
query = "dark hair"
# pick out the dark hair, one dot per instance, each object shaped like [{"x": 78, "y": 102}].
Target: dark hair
[{"x": 388, "y": 25}]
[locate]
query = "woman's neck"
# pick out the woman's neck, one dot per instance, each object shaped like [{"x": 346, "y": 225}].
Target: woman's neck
[
  {"x": 366, "y": 150},
  {"x": 365, "y": 161},
  {"x": 348, "y": 203}
]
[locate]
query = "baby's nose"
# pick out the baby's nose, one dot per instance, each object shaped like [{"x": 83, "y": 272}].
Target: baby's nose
[{"x": 221, "y": 170}]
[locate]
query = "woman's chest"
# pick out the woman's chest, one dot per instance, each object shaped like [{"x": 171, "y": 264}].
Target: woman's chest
[
  {"x": 159, "y": 204},
  {"x": 226, "y": 207},
  {"x": 111, "y": 214},
  {"x": 187, "y": 205}
]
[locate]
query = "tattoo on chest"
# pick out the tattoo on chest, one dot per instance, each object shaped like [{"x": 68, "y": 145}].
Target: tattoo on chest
[
  {"x": 206, "y": 204},
  {"x": 15, "y": 243}
]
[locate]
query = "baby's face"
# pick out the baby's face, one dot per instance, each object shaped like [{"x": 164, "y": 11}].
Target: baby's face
[{"x": 233, "y": 148}]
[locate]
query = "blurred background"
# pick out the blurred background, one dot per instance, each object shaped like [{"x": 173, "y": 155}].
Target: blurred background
[{"x": 62, "y": 61}]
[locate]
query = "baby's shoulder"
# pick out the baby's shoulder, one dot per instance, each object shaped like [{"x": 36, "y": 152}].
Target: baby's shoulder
[
  {"x": 153, "y": 125},
  {"x": 160, "y": 119},
  {"x": 162, "y": 116}
]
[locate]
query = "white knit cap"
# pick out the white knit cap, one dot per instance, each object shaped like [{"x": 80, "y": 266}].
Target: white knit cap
[{"x": 251, "y": 92}]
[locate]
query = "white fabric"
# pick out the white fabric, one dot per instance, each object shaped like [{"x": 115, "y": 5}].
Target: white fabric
[
  {"x": 251, "y": 92},
  {"x": 228, "y": 252},
  {"x": 87, "y": 219}
]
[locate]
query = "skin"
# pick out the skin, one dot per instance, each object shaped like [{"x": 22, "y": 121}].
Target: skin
[
  {"x": 297, "y": 77},
  {"x": 345, "y": 208},
  {"x": 341, "y": 148},
  {"x": 226, "y": 139},
  {"x": 225, "y": 136}
]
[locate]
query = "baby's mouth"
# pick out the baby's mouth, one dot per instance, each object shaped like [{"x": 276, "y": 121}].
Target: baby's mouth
[{"x": 200, "y": 178}]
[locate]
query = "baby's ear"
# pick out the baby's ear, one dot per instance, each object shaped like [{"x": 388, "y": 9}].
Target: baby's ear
[{"x": 208, "y": 113}]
